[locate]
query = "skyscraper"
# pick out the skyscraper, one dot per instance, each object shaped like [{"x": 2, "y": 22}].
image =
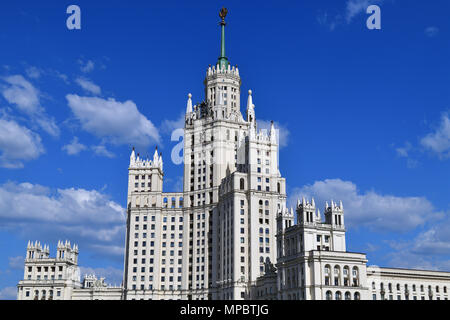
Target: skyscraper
[{"x": 211, "y": 240}]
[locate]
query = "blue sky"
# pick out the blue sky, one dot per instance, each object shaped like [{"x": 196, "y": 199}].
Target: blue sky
[{"x": 365, "y": 116}]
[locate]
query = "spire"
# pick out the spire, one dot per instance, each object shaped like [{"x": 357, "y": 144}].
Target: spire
[
  {"x": 273, "y": 137},
  {"x": 340, "y": 205},
  {"x": 132, "y": 158},
  {"x": 250, "y": 100},
  {"x": 223, "y": 60},
  {"x": 155, "y": 157},
  {"x": 189, "y": 104}
]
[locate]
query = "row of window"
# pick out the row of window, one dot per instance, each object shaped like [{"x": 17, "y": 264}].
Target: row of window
[
  {"x": 398, "y": 287},
  {"x": 338, "y": 295}
]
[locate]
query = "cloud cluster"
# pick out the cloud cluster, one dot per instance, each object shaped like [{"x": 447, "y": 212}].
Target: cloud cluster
[
  {"x": 355, "y": 7},
  {"x": 17, "y": 144},
  {"x": 74, "y": 147},
  {"x": 86, "y": 66},
  {"x": 430, "y": 249},
  {"x": 438, "y": 142},
  {"x": 88, "y": 85},
  {"x": 113, "y": 121},
  {"x": 376, "y": 211},
  {"x": 21, "y": 93},
  {"x": 83, "y": 216}
]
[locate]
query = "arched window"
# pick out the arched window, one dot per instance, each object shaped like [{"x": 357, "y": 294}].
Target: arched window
[
  {"x": 390, "y": 287},
  {"x": 242, "y": 183},
  {"x": 398, "y": 286},
  {"x": 373, "y": 285},
  {"x": 357, "y": 296},
  {"x": 337, "y": 276},
  {"x": 266, "y": 202},
  {"x": 346, "y": 276},
  {"x": 261, "y": 230},
  {"x": 180, "y": 202},
  {"x": 329, "y": 295},
  {"x": 327, "y": 275},
  {"x": 173, "y": 202},
  {"x": 348, "y": 296},
  {"x": 355, "y": 276},
  {"x": 278, "y": 187},
  {"x": 338, "y": 295}
]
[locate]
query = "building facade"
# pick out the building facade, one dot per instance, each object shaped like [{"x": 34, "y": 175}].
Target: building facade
[
  {"x": 228, "y": 235},
  {"x": 58, "y": 278},
  {"x": 313, "y": 264}
]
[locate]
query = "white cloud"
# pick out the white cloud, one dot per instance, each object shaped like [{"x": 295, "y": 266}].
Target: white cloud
[
  {"x": 16, "y": 263},
  {"x": 17, "y": 144},
  {"x": 113, "y": 121},
  {"x": 370, "y": 209},
  {"x": 281, "y": 130},
  {"x": 22, "y": 93},
  {"x": 329, "y": 21},
  {"x": 86, "y": 217},
  {"x": 431, "y": 31},
  {"x": 86, "y": 66},
  {"x": 404, "y": 151},
  {"x": 102, "y": 151},
  {"x": 8, "y": 293},
  {"x": 74, "y": 147},
  {"x": 88, "y": 85},
  {"x": 430, "y": 249},
  {"x": 439, "y": 141},
  {"x": 352, "y": 9},
  {"x": 25, "y": 97},
  {"x": 168, "y": 126},
  {"x": 355, "y": 7},
  {"x": 33, "y": 72}
]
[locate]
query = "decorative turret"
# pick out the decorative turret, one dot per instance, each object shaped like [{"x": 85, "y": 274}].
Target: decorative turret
[
  {"x": 334, "y": 214},
  {"x": 306, "y": 211},
  {"x": 285, "y": 218},
  {"x": 137, "y": 162}
]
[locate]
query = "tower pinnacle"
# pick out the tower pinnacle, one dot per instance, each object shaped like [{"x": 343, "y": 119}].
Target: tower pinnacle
[{"x": 223, "y": 60}]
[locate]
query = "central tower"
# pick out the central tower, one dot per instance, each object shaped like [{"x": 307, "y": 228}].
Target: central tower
[{"x": 211, "y": 240}]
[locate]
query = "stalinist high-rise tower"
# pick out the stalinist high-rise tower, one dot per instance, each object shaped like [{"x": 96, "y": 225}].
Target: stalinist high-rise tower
[{"x": 211, "y": 240}]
